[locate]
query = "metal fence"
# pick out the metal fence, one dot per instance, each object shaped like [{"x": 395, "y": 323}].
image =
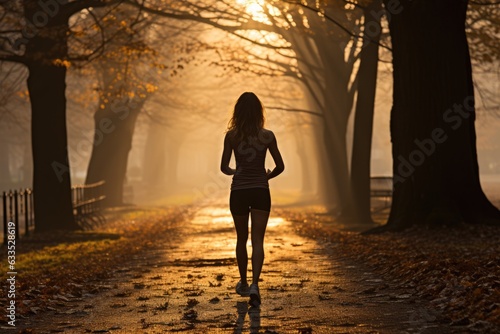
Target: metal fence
[
  {"x": 18, "y": 208},
  {"x": 87, "y": 201}
]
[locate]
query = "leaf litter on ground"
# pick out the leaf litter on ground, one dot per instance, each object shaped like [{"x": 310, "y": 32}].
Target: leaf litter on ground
[{"x": 456, "y": 269}]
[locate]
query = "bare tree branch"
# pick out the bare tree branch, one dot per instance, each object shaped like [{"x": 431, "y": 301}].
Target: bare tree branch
[
  {"x": 310, "y": 112},
  {"x": 13, "y": 58},
  {"x": 344, "y": 29},
  {"x": 76, "y": 6}
]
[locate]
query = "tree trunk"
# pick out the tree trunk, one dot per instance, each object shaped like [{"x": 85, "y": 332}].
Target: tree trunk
[
  {"x": 5, "y": 176},
  {"x": 114, "y": 130},
  {"x": 171, "y": 165},
  {"x": 304, "y": 152},
  {"x": 435, "y": 168},
  {"x": 27, "y": 167},
  {"x": 47, "y": 87},
  {"x": 336, "y": 157},
  {"x": 326, "y": 77},
  {"x": 155, "y": 156},
  {"x": 51, "y": 175},
  {"x": 336, "y": 117},
  {"x": 363, "y": 118}
]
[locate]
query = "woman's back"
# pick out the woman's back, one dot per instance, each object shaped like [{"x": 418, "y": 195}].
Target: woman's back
[{"x": 250, "y": 156}]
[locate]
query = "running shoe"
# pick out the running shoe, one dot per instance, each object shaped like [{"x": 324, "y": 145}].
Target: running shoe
[
  {"x": 254, "y": 295},
  {"x": 242, "y": 289}
]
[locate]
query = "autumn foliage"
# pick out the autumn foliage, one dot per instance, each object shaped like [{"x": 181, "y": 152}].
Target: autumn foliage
[{"x": 457, "y": 269}]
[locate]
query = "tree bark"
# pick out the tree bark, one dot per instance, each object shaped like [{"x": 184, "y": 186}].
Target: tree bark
[
  {"x": 114, "y": 130},
  {"x": 27, "y": 167},
  {"x": 363, "y": 117},
  {"x": 51, "y": 174},
  {"x": 5, "y": 176},
  {"x": 435, "y": 168},
  {"x": 47, "y": 87}
]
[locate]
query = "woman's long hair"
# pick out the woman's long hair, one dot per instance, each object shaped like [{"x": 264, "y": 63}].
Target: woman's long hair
[{"x": 248, "y": 117}]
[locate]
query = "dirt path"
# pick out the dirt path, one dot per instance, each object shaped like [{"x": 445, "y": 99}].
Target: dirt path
[{"x": 189, "y": 287}]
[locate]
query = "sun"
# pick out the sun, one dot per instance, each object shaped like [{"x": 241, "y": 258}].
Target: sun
[{"x": 254, "y": 8}]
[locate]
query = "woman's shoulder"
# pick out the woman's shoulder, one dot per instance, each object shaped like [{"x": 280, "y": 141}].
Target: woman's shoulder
[
  {"x": 230, "y": 133},
  {"x": 267, "y": 132},
  {"x": 266, "y": 135},
  {"x": 229, "y": 137}
]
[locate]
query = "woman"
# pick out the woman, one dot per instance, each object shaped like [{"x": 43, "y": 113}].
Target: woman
[{"x": 249, "y": 140}]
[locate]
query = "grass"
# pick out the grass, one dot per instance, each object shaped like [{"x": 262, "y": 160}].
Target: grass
[
  {"x": 52, "y": 258},
  {"x": 66, "y": 263}
]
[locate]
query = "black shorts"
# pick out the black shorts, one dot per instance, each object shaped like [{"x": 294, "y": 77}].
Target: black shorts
[{"x": 242, "y": 200}]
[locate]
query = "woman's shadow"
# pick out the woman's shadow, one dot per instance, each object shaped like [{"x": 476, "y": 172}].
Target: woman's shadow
[{"x": 253, "y": 314}]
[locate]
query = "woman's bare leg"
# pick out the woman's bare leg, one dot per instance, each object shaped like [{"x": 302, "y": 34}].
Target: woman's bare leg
[
  {"x": 241, "y": 226},
  {"x": 259, "y": 224}
]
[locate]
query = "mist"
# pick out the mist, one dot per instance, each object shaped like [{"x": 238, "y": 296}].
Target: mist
[
  {"x": 177, "y": 144},
  {"x": 177, "y": 138}
]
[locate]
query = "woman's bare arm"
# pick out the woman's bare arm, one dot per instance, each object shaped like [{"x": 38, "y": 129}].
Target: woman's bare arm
[
  {"x": 226, "y": 158},
  {"x": 278, "y": 160}
]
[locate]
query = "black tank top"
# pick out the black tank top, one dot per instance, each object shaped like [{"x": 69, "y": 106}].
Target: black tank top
[{"x": 250, "y": 155}]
